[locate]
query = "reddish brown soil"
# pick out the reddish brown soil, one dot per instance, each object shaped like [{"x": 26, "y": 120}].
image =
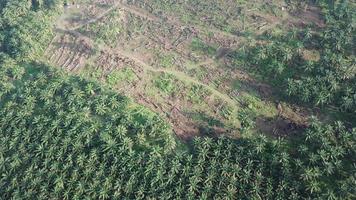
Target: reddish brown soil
[{"x": 69, "y": 52}]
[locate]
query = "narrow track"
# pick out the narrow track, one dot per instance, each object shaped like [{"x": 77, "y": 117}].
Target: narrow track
[
  {"x": 102, "y": 15},
  {"x": 145, "y": 66},
  {"x": 178, "y": 74},
  {"x": 135, "y": 11}
]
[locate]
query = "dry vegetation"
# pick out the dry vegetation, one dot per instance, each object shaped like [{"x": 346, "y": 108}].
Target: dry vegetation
[
  {"x": 217, "y": 73},
  {"x": 180, "y": 62}
]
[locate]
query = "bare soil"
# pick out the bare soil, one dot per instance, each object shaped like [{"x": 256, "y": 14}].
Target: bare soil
[
  {"x": 69, "y": 52},
  {"x": 148, "y": 37}
]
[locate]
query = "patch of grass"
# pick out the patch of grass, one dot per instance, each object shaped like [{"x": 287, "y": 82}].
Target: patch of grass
[
  {"x": 105, "y": 31},
  {"x": 226, "y": 112},
  {"x": 236, "y": 84},
  {"x": 186, "y": 18},
  {"x": 197, "y": 93},
  {"x": 247, "y": 122},
  {"x": 257, "y": 106},
  {"x": 190, "y": 65},
  {"x": 272, "y": 9},
  {"x": 92, "y": 72},
  {"x": 166, "y": 83},
  {"x": 203, "y": 117},
  {"x": 199, "y": 46},
  {"x": 165, "y": 60},
  {"x": 200, "y": 73},
  {"x": 116, "y": 77}
]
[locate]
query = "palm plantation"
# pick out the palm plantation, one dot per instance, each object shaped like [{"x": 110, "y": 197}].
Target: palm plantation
[{"x": 63, "y": 136}]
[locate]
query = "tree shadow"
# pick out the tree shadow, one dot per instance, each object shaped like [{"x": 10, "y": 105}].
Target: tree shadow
[
  {"x": 208, "y": 126},
  {"x": 203, "y": 117},
  {"x": 278, "y": 127}
]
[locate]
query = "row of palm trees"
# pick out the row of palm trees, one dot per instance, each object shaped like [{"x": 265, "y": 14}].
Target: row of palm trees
[
  {"x": 63, "y": 137},
  {"x": 26, "y": 27},
  {"x": 65, "y": 149},
  {"x": 330, "y": 79}
]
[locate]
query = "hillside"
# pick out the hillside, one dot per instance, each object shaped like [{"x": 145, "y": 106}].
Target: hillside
[{"x": 147, "y": 99}]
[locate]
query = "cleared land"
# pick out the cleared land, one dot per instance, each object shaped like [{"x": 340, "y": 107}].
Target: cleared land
[{"x": 175, "y": 59}]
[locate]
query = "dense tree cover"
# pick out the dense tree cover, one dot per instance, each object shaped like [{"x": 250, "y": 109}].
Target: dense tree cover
[
  {"x": 26, "y": 26},
  {"x": 65, "y": 138},
  {"x": 70, "y": 104},
  {"x": 62, "y": 137},
  {"x": 329, "y": 77}
]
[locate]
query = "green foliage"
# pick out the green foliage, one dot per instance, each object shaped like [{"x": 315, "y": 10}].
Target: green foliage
[
  {"x": 115, "y": 77},
  {"x": 25, "y": 28},
  {"x": 106, "y": 30},
  {"x": 197, "y": 93},
  {"x": 247, "y": 124},
  {"x": 75, "y": 102},
  {"x": 166, "y": 60},
  {"x": 226, "y": 111},
  {"x": 62, "y": 137},
  {"x": 330, "y": 79},
  {"x": 166, "y": 83},
  {"x": 63, "y": 155},
  {"x": 199, "y": 46},
  {"x": 324, "y": 159}
]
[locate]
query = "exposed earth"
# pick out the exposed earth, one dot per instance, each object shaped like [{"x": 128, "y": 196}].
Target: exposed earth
[{"x": 177, "y": 65}]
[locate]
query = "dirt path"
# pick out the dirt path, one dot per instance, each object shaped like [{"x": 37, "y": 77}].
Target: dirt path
[
  {"x": 173, "y": 21},
  {"x": 208, "y": 61},
  {"x": 183, "y": 125},
  {"x": 146, "y": 67},
  {"x": 93, "y": 20},
  {"x": 139, "y": 12},
  {"x": 144, "y": 14},
  {"x": 135, "y": 11},
  {"x": 179, "y": 75}
]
